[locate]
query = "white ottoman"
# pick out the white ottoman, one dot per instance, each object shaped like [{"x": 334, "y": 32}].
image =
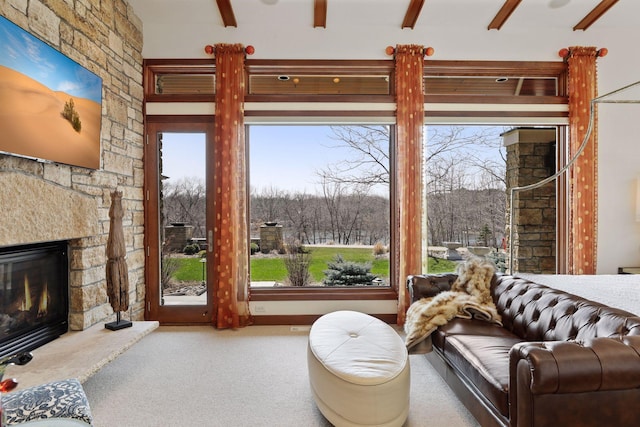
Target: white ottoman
[{"x": 358, "y": 370}]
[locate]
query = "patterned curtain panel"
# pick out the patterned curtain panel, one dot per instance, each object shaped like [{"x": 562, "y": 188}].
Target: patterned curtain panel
[
  {"x": 231, "y": 284},
  {"x": 409, "y": 63},
  {"x": 582, "y": 88}
]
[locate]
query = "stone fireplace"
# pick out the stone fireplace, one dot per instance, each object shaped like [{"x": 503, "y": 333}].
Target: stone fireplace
[
  {"x": 51, "y": 202},
  {"x": 38, "y": 209},
  {"x": 34, "y": 302}
]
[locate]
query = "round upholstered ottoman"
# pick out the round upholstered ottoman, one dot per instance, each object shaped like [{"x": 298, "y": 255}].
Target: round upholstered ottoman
[{"x": 358, "y": 370}]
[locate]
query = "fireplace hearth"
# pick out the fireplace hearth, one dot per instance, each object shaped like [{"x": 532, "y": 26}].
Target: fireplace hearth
[{"x": 34, "y": 295}]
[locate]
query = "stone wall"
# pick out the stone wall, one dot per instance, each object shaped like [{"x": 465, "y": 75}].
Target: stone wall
[
  {"x": 530, "y": 154},
  {"x": 46, "y": 201}
]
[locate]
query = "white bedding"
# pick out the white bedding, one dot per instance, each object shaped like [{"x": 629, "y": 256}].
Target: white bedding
[{"x": 616, "y": 290}]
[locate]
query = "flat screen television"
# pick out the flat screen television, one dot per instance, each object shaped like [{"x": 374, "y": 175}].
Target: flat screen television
[{"x": 50, "y": 106}]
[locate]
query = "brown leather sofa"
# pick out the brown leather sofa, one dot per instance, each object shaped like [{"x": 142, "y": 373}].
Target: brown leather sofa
[{"x": 558, "y": 360}]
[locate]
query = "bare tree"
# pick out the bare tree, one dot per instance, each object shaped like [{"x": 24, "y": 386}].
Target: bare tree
[
  {"x": 370, "y": 146},
  {"x": 185, "y": 201},
  {"x": 333, "y": 193},
  {"x": 369, "y": 164},
  {"x": 299, "y": 214},
  {"x": 351, "y": 213},
  {"x": 447, "y": 146},
  {"x": 465, "y": 189},
  {"x": 267, "y": 205}
]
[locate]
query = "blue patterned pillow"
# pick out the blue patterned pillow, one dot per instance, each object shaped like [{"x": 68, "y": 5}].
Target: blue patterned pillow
[{"x": 58, "y": 399}]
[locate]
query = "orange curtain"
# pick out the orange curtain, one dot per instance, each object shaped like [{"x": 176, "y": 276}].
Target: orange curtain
[
  {"x": 409, "y": 64},
  {"x": 231, "y": 284},
  {"x": 582, "y": 88}
]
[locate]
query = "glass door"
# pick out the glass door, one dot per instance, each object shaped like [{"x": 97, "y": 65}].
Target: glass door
[{"x": 177, "y": 178}]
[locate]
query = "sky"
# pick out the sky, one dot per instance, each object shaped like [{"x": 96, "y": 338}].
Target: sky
[
  {"x": 302, "y": 150},
  {"x": 282, "y": 157},
  {"x": 32, "y": 57}
]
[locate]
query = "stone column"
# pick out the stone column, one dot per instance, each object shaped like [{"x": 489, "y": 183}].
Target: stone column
[
  {"x": 270, "y": 238},
  {"x": 531, "y": 157},
  {"x": 177, "y": 236}
]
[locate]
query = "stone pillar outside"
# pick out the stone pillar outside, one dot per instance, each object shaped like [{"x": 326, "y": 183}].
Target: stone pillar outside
[
  {"x": 177, "y": 236},
  {"x": 531, "y": 158},
  {"x": 270, "y": 238}
]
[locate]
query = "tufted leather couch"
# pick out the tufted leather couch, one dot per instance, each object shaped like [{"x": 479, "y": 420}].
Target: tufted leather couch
[{"x": 558, "y": 360}]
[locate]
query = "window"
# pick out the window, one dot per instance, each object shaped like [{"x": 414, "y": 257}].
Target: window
[
  {"x": 286, "y": 96},
  {"x": 466, "y": 194},
  {"x": 522, "y": 98},
  {"x": 319, "y": 205},
  {"x": 467, "y": 182}
]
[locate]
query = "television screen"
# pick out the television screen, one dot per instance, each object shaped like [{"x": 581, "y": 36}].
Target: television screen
[{"x": 50, "y": 106}]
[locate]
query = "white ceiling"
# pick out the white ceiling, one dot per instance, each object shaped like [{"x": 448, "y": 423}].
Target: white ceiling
[{"x": 181, "y": 28}]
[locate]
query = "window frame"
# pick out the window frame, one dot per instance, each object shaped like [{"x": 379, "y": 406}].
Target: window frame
[
  {"x": 291, "y": 293},
  {"x": 353, "y": 108}
]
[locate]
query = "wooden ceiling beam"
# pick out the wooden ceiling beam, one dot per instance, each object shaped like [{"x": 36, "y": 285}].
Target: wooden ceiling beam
[
  {"x": 595, "y": 14},
  {"x": 226, "y": 12},
  {"x": 503, "y": 14},
  {"x": 413, "y": 11},
  {"x": 320, "y": 13}
]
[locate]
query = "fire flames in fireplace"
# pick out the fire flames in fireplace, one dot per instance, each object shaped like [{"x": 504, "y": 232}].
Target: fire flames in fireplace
[{"x": 43, "y": 299}]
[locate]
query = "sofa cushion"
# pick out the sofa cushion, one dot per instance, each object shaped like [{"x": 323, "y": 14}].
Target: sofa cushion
[
  {"x": 460, "y": 326},
  {"x": 58, "y": 399},
  {"x": 480, "y": 352},
  {"x": 484, "y": 361}
]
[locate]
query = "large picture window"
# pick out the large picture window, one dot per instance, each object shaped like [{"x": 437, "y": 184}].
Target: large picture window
[
  {"x": 469, "y": 172},
  {"x": 319, "y": 205}
]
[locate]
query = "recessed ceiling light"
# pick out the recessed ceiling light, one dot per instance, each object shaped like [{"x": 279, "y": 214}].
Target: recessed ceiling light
[{"x": 556, "y": 4}]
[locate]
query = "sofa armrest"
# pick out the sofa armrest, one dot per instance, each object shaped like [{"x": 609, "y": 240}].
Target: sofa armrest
[
  {"x": 429, "y": 285},
  {"x": 572, "y": 367},
  {"x": 548, "y": 377}
]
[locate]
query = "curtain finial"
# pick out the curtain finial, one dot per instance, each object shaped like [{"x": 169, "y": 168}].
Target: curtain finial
[
  {"x": 564, "y": 53},
  {"x": 427, "y": 51},
  {"x": 210, "y": 50}
]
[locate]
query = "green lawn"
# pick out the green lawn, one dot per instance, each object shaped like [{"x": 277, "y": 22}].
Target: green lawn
[
  {"x": 190, "y": 269},
  {"x": 269, "y": 269},
  {"x": 273, "y": 269}
]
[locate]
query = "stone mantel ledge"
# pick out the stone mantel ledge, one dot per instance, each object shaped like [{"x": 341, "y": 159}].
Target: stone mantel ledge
[
  {"x": 78, "y": 354},
  {"x": 34, "y": 210}
]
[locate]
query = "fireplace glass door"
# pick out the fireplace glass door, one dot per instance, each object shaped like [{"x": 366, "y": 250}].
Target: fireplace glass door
[{"x": 34, "y": 303}]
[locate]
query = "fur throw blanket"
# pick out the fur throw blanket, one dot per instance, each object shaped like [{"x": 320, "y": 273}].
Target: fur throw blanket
[{"x": 469, "y": 298}]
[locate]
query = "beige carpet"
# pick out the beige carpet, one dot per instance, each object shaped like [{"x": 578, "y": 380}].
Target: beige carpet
[{"x": 195, "y": 376}]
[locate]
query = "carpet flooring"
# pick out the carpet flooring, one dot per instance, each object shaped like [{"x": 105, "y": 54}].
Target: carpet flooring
[{"x": 192, "y": 376}]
